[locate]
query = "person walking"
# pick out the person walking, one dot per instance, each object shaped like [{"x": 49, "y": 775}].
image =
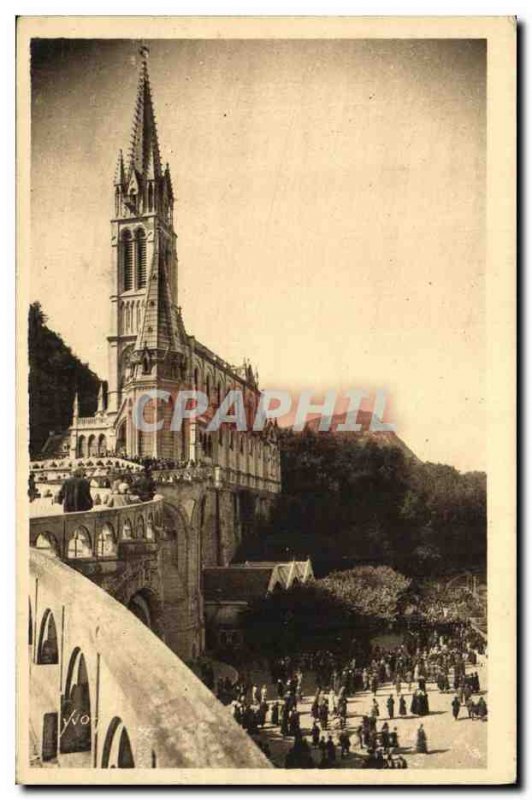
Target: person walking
[
  {"x": 421, "y": 740},
  {"x": 390, "y": 703},
  {"x": 345, "y": 744},
  {"x": 315, "y": 733},
  {"x": 331, "y": 751},
  {"x": 455, "y": 705},
  {"x": 402, "y": 706}
]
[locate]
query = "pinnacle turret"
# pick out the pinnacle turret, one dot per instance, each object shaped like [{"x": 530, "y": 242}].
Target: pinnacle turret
[{"x": 120, "y": 172}]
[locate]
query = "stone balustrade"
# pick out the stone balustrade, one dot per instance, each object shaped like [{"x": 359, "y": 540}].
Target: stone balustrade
[
  {"x": 216, "y": 476},
  {"x": 101, "y": 533}
]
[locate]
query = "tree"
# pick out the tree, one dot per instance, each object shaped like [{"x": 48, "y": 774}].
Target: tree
[
  {"x": 349, "y": 500},
  {"x": 55, "y": 376},
  {"x": 372, "y": 592},
  {"x": 327, "y": 614}
]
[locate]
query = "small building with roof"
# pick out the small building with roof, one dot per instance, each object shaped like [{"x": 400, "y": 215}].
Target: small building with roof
[{"x": 228, "y": 592}]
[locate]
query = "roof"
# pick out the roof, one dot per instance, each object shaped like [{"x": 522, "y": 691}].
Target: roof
[{"x": 253, "y": 579}]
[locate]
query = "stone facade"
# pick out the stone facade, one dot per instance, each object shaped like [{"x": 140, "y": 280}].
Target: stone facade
[
  {"x": 215, "y": 485},
  {"x": 148, "y": 345}
]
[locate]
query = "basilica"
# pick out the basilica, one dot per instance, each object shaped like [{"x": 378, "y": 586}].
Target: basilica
[{"x": 149, "y": 347}]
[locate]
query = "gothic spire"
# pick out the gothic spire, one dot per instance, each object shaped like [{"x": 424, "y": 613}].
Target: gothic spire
[
  {"x": 144, "y": 155},
  {"x": 120, "y": 172}
]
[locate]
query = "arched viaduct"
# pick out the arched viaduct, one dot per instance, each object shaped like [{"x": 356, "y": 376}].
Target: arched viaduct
[{"x": 105, "y": 692}]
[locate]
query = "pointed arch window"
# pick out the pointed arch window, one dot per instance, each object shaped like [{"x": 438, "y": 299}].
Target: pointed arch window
[
  {"x": 48, "y": 651},
  {"x": 140, "y": 237},
  {"x": 79, "y": 545},
  {"x": 117, "y": 751},
  {"x": 127, "y": 260}
]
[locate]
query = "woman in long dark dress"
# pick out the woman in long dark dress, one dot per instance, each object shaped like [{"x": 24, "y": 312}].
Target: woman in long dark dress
[
  {"x": 402, "y": 706},
  {"x": 421, "y": 740}
]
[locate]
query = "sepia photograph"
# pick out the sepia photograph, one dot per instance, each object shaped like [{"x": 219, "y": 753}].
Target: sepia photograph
[{"x": 266, "y": 521}]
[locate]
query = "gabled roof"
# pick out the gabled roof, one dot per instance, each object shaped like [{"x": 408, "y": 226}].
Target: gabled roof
[{"x": 245, "y": 582}]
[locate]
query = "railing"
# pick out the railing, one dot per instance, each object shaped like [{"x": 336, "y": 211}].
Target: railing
[
  {"x": 106, "y": 692},
  {"x": 99, "y": 533},
  {"x": 90, "y": 422},
  {"x": 216, "y": 475},
  {"x": 91, "y": 462},
  {"x": 99, "y": 467}
]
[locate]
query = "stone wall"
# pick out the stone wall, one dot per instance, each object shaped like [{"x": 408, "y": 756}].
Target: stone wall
[{"x": 106, "y": 692}]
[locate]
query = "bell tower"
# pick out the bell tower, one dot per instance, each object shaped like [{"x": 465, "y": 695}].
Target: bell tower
[{"x": 147, "y": 340}]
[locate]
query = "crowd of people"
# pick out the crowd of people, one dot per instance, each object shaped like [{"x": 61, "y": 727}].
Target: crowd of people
[
  {"x": 125, "y": 487},
  {"x": 405, "y": 668}
]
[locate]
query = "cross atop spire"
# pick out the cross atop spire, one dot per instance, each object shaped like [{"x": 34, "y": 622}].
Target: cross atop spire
[{"x": 144, "y": 155}]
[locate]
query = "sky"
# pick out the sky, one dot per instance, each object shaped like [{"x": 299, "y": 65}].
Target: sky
[{"x": 330, "y": 212}]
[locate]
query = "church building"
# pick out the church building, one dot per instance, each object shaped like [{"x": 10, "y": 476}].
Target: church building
[{"x": 148, "y": 345}]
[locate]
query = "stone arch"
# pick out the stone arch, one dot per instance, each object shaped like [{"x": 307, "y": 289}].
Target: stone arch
[
  {"x": 144, "y": 606},
  {"x": 121, "y": 437},
  {"x": 126, "y": 260},
  {"x": 79, "y": 544},
  {"x": 140, "y": 244},
  {"x": 48, "y": 650},
  {"x": 175, "y": 568},
  {"x": 209, "y": 383},
  {"x": 106, "y": 541},
  {"x": 150, "y": 528},
  {"x": 46, "y": 541},
  {"x": 176, "y": 528},
  {"x": 127, "y": 529},
  {"x": 198, "y": 374},
  {"x": 140, "y": 528},
  {"x": 102, "y": 444},
  {"x": 81, "y": 447},
  {"x": 201, "y": 551},
  {"x": 76, "y": 728},
  {"x": 117, "y": 751}
]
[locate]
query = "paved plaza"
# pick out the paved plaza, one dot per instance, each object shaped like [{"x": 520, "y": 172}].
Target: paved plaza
[{"x": 451, "y": 744}]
